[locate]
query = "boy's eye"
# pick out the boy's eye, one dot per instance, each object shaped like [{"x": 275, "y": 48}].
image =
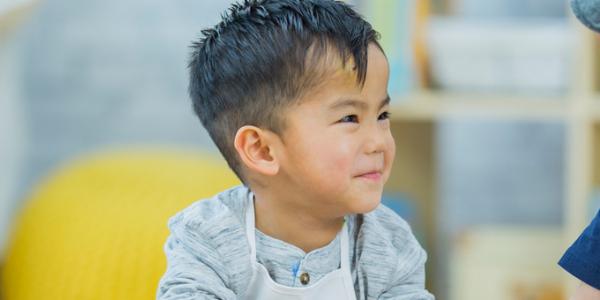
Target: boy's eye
[
  {"x": 384, "y": 116},
  {"x": 349, "y": 119}
]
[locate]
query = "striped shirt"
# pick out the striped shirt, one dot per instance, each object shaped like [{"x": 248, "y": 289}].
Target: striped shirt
[{"x": 208, "y": 255}]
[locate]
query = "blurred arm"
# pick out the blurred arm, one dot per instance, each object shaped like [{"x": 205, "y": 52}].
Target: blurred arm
[{"x": 586, "y": 292}]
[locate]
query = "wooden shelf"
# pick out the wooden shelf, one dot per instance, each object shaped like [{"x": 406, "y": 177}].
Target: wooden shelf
[
  {"x": 431, "y": 106},
  {"x": 595, "y": 110}
]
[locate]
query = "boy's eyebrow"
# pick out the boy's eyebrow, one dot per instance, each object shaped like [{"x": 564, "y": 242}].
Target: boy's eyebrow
[{"x": 357, "y": 103}]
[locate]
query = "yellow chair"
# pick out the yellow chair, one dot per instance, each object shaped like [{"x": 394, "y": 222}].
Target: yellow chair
[{"x": 95, "y": 228}]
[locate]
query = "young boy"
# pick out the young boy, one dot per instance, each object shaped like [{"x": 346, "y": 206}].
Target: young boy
[
  {"x": 294, "y": 94},
  {"x": 582, "y": 259}
]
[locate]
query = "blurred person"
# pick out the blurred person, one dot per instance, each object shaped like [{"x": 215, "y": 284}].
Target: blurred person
[
  {"x": 294, "y": 94},
  {"x": 582, "y": 259}
]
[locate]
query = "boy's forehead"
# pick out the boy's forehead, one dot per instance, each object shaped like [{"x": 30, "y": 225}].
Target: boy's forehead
[
  {"x": 331, "y": 68},
  {"x": 327, "y": 62},
  {"x": 340, "y": 80}
]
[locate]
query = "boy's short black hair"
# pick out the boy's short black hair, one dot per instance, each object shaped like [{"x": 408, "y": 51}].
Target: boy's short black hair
[{"x": 263, "y": 56}]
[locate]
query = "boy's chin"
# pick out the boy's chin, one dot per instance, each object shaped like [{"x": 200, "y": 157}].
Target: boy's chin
[{"x": 365, "y": 204}]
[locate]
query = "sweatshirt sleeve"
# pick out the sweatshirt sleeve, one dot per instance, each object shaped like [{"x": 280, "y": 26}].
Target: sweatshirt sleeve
[
  {"x": 189, "y": 276},
  {"x": 395, "y": 259},
  {"x": 408, "y": 281}
]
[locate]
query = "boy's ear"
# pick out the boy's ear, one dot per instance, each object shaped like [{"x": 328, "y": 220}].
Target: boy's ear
[{"x": 255, "y": 148}]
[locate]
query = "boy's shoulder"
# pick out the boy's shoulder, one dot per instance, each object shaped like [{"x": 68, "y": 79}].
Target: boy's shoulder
[
  {"x": 211, "y": 229},
  {"x": 214, "y": 221},
  {"x": 205, "y": 212}
]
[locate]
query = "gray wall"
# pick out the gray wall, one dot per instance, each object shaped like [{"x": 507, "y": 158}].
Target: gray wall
[{"x": 102, "y": 73}]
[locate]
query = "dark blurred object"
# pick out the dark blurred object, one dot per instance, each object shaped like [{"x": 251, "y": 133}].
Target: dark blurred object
[{"x": 588, "y": 12}]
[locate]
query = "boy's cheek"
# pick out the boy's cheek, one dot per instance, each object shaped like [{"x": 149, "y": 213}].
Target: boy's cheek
[
  {"x": 390, "y": 153},
  {"x": 342, "y": 162}
]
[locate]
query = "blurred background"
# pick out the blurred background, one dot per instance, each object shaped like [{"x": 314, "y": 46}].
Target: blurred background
[{"x": 495, "y": 113}]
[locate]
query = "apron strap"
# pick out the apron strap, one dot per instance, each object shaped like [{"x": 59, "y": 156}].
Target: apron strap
[
  {"x": 250, "y": 226},
  {"x": 344, "y": 247}
]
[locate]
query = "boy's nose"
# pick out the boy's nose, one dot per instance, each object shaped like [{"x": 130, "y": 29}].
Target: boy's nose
[{"x": 376, "y": 141}]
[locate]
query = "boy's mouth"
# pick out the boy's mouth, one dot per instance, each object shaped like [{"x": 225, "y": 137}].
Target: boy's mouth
[{"x": 371, "y": 175}]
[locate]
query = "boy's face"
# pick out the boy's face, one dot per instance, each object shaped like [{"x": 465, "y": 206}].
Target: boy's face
[{"x": 337, "y": 148}]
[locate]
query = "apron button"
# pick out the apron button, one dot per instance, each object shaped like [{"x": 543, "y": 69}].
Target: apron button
[{"x": 304, "y": 278}]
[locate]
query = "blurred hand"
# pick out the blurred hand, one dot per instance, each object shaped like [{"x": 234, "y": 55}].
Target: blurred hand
[{"x": 586, "y": 292}]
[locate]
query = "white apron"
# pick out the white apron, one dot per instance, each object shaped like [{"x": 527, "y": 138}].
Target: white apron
[{"x": 335, "y": 285}]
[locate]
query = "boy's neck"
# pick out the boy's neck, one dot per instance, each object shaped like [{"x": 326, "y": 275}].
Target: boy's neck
[{"x": 294, "y": 225}]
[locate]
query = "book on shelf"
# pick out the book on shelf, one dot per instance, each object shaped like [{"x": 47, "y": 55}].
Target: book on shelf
[{"x": 401, "y": 25}]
